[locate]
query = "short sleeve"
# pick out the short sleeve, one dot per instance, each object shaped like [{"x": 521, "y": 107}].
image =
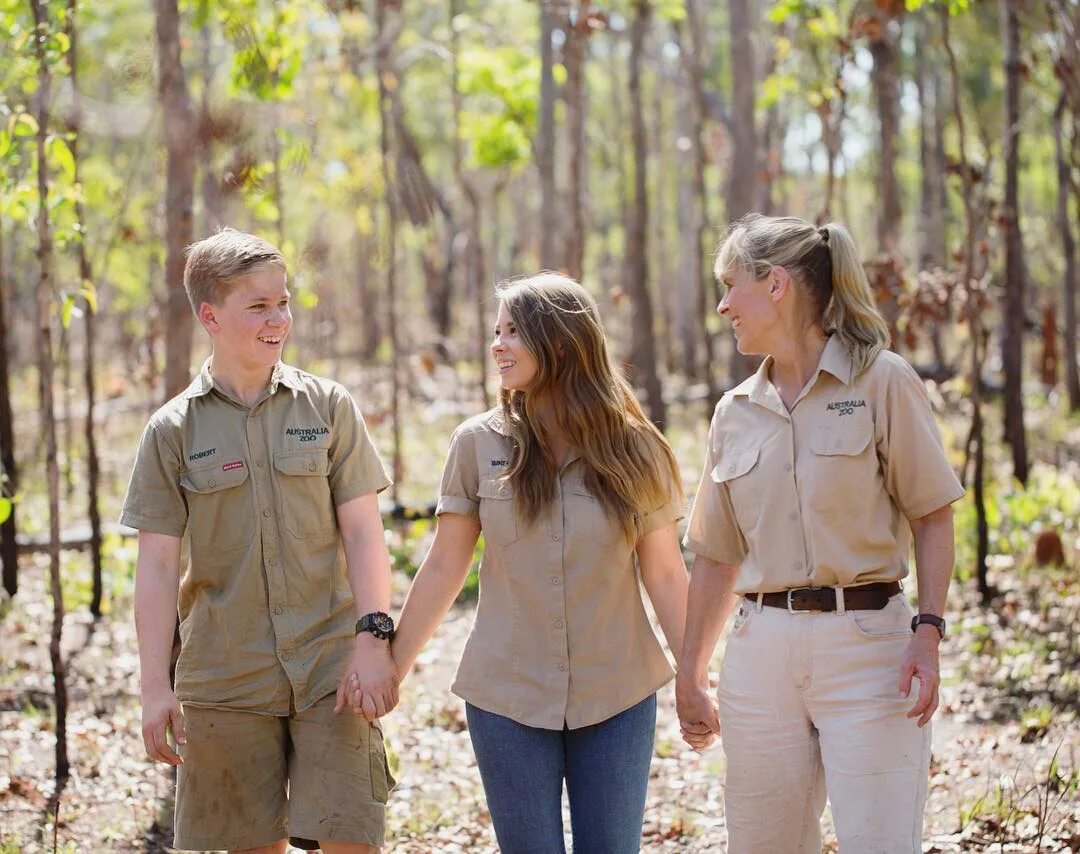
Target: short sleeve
[
  {"x": 917, "y": 473},
  {"x": 155, "y": 500},
  {"x": 460, "y": 480},
  {"x": 713, "y": 531},
  {"x": 671, "y": 510},
  {"x": 355, "y": 466}
]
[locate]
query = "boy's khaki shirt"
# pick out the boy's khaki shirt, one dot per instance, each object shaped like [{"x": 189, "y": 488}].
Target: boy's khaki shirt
[
  {"x": 266, "y": 611},
  {"x": 561, "y": 635},
  {"x": 821, "y": 495}
]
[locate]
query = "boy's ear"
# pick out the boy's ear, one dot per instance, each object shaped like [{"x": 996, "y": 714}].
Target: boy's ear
[{"x": 208, "y": 317}]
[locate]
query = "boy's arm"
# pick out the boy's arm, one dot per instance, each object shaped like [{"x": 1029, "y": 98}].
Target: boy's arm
[
  {"x": 371, "y": 673},
  {"x": 157, "y": 584}
]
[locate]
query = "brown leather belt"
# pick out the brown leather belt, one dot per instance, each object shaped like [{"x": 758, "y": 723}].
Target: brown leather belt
[{"x": 864, "y": 597}]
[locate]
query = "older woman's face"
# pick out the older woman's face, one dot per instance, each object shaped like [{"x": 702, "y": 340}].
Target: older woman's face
[
  {"x": 516, "y": 363},
  {"x": 748, "y": 304}
]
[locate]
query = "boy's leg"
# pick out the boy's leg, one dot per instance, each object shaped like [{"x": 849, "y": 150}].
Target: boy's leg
[
  {"x": 522, "y": 770},
  {"x": 607, "y": 778},
  {"x": 231, "y": 789},
  {"x": 339, "y": 779}
]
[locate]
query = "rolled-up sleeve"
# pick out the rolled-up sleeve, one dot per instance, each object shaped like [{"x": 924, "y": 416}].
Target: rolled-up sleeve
[
  {"x": 460, "y": 480},
  {"x": 713, "y": 531}
]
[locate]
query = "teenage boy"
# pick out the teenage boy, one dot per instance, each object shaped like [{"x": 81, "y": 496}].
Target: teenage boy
[{"x": 254, "y": 493}]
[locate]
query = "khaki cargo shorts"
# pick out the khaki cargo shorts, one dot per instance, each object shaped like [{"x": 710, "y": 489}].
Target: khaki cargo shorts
[{"x": 250, "y": 779}]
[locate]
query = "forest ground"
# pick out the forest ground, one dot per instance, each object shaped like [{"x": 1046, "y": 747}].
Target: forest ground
[
  {"x": 1004, "y": 776},
  {"x": 1006, "y": 742}
]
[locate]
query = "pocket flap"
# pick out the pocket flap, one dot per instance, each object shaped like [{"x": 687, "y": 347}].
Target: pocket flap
[
  {"x": 303, "y": 463},
  {"x": 734, "y": 464},
  {"x": 840, "y": 443},
  {"x": 213, "y": 478},
  {"x": 495, "y": 488}
]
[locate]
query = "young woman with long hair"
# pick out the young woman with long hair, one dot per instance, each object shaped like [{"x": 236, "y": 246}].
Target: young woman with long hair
[{"x": 577, "y": 496}]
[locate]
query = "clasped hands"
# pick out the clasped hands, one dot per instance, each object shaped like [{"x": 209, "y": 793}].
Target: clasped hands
[
  {"x": 369, "y": 686},
  {"x": 699, "y": 719}
]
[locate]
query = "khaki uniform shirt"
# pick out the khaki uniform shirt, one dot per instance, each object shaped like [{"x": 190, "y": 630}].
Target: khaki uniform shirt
[
  {"x": 561, "y": 636},
  {"x": 266, "y": 610},
  {"x": 820, "y": 495}
]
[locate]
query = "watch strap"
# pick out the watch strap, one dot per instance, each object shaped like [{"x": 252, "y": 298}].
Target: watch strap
[{"x": 930, "y": 619}]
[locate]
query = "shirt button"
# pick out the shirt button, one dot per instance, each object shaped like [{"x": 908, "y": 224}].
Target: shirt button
[
  {"x": 266, "y": 513},
  {"x": 555, "y": 580},
  {"x": 211, "y": 482},
  {"x": 562, "y": 667},
  {"x": 731, "y": 469},
  {"x": 259, "y": 463},
  {"x": 278, "y": 609},
  {"x": 787, "y": 466},
  {"x": 555, "y": 537},
  {"x": 311, "y": 466},
  {"x": 272, "y": 561},
  {"x": 558, "y": 624}
]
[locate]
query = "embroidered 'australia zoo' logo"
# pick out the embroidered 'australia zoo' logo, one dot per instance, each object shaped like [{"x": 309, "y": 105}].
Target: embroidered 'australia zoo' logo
[
  {"x": 307, "y": 434},
  {"x": 844, "y": 407}
]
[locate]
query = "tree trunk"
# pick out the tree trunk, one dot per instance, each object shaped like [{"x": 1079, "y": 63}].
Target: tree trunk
[
  {"x": 213, "y": 200},
  {"x": 1012, "y": 344},
  {"x": 545, "y": 147},
  {"x": 577, "y": 33},
  {"x": 474, "y": 248},
  {"x": 975, "y": 327},
  {"x": 884, "y": 78},
  {"x": 385, "y": 74},
  {"x": 643, "y": 345},
  {"x": 45, "y": 389},
  {"x": 1068, "y": 249},
  {"x": 93, "y": 468},
  {"x": 9, "y": 476},
  {"x": 179, "y": 194},
  {"x": 742, "y": 173}
]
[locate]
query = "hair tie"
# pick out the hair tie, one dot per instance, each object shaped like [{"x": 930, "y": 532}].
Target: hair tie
[{"x": 824, "y": 232}]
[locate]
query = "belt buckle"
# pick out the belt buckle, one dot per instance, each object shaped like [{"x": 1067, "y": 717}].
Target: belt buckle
[{"x": 791, "y": 609}]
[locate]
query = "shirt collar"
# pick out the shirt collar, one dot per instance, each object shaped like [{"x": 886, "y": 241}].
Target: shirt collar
[
  {"x": 835, "y": 359},
  {"x": 282, "y": 375}
]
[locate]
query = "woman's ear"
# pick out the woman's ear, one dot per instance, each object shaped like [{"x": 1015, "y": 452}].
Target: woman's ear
[{"x": 779, "y": 282}]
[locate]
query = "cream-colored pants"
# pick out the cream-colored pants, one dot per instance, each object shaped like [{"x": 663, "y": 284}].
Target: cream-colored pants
[{"x": 809, "y": 704}]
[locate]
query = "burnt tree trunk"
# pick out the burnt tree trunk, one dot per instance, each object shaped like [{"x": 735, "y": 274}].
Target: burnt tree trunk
[
  {"x": 643, "y": 342},
  {"x": 9, "y": 476},
  {"x": 885, "y": 81},
  {"x": 179, "y": 194},
  {"x": 545, "y": 144},
  {"x": 1068, "y": 249},
  {"x": 44, "y": 301},
  {"x": 1012, "y": 344}
]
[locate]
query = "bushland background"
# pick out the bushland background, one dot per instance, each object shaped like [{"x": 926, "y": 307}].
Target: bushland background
[{"x": 408, "y": 154}]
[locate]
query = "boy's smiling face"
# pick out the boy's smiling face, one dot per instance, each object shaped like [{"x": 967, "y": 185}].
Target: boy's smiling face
[{"x": 250, "y": 326}]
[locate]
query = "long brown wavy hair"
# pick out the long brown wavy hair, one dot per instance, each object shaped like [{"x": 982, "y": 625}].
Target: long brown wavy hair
[{"x": 629, "y": 465}]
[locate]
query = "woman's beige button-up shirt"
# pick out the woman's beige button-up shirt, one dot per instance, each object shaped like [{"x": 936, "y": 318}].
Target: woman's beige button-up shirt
[
  {"x": 561, "y": 636},
  {"x": 821, "y": 495},
  {"x": 266, "y": 611}
]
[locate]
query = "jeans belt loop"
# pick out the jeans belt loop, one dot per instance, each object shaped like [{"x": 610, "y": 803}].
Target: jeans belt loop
[
  {"x": 760, "y": 604},
  {"x": 839, "y": 599}
]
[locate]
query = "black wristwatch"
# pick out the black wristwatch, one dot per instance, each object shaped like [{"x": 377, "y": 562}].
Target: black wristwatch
[
  {"x": 931, "y": 619},
  {"x": 379, "y": 624}
]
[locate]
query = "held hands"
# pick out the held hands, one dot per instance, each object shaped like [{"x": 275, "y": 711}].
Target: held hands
[
  {"x": 921, "y": 661},
  {"x": 370, "y": 684},
  {"x": 699, "y": 720},
  {"x": 161, "y": 712}
]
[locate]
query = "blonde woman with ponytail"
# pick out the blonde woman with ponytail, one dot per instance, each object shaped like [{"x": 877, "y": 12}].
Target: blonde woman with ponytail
[
  {"x": 577, "y": 495},
  {"x": 821, "y": 468}
]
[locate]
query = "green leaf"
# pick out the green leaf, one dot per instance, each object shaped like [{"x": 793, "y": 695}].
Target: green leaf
[
  {"x": 6, "y": 505},
  {"x": 5, "y": 142},
  {"x": 23, "y": 124},
  {"x": 62, "y": 157},
  {"x": 89, "y": 293}
]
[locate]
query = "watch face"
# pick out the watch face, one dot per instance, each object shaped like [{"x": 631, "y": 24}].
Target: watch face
[{"x": 382, "y": 622}]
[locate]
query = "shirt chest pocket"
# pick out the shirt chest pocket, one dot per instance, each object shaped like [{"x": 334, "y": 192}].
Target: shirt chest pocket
[
  {"x": 219, "y": 508},
  {"x": 498, "y": 516},
  {"x": 846, "y": 473},
  {"x": 586, "y": 516},
  {"x": 739, "y": 470},
  {"x": 307, "y": 505}
]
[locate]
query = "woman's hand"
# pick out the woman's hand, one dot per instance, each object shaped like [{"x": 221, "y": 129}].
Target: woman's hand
[{"x": 699, "y": 720}]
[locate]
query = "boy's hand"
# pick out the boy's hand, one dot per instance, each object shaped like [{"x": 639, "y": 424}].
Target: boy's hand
[
  {"x": 370, "y": 684},
  {"x": 161, "y": 712}
]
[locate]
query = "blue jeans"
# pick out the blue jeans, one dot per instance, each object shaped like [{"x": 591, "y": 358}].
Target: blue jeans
[{"x": 605, "y": 766}]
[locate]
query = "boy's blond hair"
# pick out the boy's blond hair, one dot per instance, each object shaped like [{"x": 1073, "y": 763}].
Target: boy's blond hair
[{"x": 214, "y": 263}]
